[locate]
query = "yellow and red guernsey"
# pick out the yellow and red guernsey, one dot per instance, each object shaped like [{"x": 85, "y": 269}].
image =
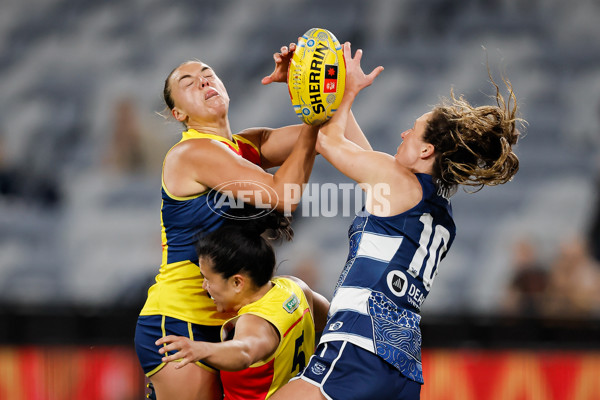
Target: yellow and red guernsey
[{"x": 286, "y": 308}]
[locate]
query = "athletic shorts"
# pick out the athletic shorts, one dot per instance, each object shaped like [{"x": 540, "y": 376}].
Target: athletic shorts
[
  {"x": 150, "y": 328},
  {"x": 344, "y": 371}
]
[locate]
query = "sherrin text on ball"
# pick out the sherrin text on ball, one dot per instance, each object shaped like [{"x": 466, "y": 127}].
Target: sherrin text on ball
[{"x": 316, "y": 76}]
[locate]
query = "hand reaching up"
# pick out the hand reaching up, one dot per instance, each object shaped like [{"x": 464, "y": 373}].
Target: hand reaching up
[
  {"x": 282, "y": 63},
  {"x": 356, "y": 80}
]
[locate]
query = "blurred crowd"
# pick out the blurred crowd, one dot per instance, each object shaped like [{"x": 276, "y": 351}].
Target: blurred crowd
[{"x": 564, "y": 285}]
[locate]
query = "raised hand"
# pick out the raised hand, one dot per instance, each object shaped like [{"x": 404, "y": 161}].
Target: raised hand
[
  {"x": 282, "y": 63},
  {"x": 356, "y": 80}
]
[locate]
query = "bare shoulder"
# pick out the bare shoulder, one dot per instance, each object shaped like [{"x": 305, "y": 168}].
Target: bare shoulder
[
  {"x": 399, "y": 190},
  {"x": 318, "y": 304},
  {"x": 192, "y": 147},
  {"x": 405, "y": 177},
  {"x": 296, "y": 280},
  {"x": 305, "y": 288},
  {"x": 188, "y": 162},
  {"x": 198, "y": 153}
]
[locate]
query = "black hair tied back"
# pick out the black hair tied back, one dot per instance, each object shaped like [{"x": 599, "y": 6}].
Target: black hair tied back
[
  {"x": 243, "y": 243},
  {"x": 272, "y": 225}
]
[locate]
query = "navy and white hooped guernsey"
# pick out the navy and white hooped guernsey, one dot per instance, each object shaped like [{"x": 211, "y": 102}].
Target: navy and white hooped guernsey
[{"x": 390, "y": 268}]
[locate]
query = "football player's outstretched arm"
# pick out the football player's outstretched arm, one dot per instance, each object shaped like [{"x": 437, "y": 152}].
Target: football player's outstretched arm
[
  {"x": 332, "y": 143},
  {"x": 254, "y": 340}
]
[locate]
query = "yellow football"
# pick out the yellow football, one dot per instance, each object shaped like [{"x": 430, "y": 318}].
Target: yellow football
[{"x": 317, "y": 76}]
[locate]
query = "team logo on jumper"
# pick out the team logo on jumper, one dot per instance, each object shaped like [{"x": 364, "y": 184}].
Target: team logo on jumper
[
  {"x": 397, "y": 282},
  {"x": 331, "y": 78},
  {"x": 335, "y": 326},
  {"x": 291, "y": 304},
  {"x": 318, "y": 368},
  {"x": 229, "y": 198}
]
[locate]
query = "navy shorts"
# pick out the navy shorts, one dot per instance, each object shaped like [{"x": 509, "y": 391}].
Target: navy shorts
[
  {"x": 344, "y": 371},
  {"x": 150, "y": 328}
]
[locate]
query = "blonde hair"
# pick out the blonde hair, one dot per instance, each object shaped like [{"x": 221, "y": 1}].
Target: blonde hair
[{"x": 474, "y": 144}]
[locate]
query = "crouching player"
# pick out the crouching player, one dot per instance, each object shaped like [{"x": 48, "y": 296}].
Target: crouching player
[{"x": 272, "y": 333}]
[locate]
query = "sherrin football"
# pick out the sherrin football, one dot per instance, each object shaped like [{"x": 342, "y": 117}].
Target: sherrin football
[{"x": 317, "y": 76}]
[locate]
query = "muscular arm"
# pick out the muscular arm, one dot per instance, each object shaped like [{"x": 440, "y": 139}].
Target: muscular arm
[
  {"x": 255, "y": 340},
  {"x": 362, "y": 165},
  {"x": 390, "y": 187},
  {"x": 276, "y": 145},
  {"x": 196, "y": 165}
]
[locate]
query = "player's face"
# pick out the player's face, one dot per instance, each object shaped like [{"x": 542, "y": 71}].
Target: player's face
[
  {"x": 410, "y": 150},
  {"x": 221, "y": 290},
  {"x": 198, "y": 93}
]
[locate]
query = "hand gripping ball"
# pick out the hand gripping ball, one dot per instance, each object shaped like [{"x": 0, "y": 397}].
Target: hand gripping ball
[{"x": 316, "y": 76}]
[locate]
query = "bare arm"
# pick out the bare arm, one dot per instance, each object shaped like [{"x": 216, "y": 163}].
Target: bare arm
[
  {"x": 196, "y": 165},
  {"x": 255, "y": 340},
  {"x": 276, "y": 144},
  {"x": 350, "y": 158},
  {"x": 354, "y": 133},
  {"x": 390, "y": 187}
]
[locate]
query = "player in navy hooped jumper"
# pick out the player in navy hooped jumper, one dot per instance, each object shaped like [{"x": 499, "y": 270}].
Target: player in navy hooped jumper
[{"x": 371, "y": 346}]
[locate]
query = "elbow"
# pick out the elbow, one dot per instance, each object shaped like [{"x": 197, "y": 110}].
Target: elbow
[
  {"x": 288, "y": 197},
  {"x": 293, "y": 206},
  {"x": 239, "y": 363},
  {"x": 245, "y": 361},
  {"x": 327, "y": 142},
  {"x": 286, "y": 208},
  {"x": 320, "y": 143}
]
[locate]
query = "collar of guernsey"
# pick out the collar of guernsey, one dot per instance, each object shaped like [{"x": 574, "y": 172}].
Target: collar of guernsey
[
  {"x": 178, "y": 291},
  {"x": 239, "y": 144}
]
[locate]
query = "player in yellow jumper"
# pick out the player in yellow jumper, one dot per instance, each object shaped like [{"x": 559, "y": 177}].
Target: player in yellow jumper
[
  {"x": 273, "y": 334},
  {"x": 208, "y": 157}
]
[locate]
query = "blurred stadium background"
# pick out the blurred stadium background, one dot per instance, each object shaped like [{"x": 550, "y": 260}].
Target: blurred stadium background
[{"x": 515, "y": 309}]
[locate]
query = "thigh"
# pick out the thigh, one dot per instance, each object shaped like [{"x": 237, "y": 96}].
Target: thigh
[
  {"x": 342, "y": 370},
  {"x": 298, "y": 390},
  {"x": 188, "y": 383}
]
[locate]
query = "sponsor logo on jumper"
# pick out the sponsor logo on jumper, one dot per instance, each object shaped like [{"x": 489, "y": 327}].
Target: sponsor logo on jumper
[
  {"x": 291, "y": 304},
  {"x": 397, "y": 282},
  {"x": 415, "y": 296}
]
